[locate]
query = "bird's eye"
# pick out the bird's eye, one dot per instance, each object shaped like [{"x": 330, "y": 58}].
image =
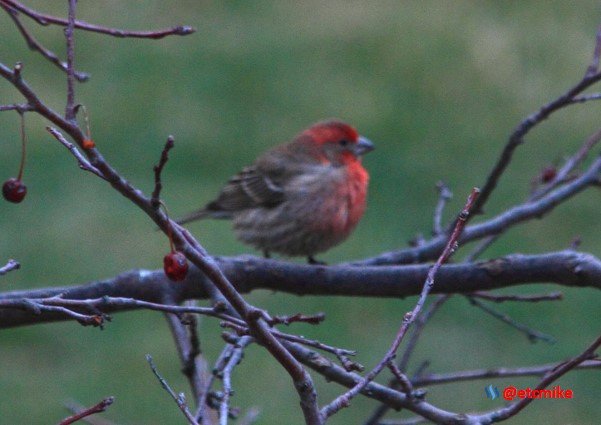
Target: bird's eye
[{"x": 344, "y": 142}]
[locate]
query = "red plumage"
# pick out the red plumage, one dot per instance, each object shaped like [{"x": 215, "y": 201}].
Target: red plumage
[{"x": 300, "y": 198}]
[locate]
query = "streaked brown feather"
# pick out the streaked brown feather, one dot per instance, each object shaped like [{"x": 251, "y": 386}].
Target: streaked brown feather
[{"x": 249, "y": 188}]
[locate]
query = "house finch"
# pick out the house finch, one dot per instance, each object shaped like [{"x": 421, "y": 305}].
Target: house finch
[{"x": 300, "y": 198}]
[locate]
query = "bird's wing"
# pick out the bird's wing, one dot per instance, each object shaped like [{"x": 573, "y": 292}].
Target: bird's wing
[{"x": 250, "y": 188}]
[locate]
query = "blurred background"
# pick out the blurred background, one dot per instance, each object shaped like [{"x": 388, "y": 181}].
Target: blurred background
[{"x": 438, "y": 86}]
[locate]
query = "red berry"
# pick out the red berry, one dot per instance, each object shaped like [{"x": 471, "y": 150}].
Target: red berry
[
  {"x": 14, "y": 190},
  {"x": 175, "y": 265},
  {"x": 548, "y": 174},
  {"x": 88, "y": 144}
]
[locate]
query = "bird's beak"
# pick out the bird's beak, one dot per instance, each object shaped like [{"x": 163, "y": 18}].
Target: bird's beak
[{"x": 363, "y": 146}]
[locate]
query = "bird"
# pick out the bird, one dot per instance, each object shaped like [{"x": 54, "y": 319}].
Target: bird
[{"x": 299, "y": 198}]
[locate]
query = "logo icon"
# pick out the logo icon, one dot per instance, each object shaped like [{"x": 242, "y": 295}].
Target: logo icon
[{"x": 492, "y": 392}]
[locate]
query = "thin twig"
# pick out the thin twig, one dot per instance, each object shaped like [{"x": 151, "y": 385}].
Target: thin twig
[
  {"x": 82, "y": 161},
  {"x": 591, "y": 77},
  {"x": 498, "y": 298},
  {"x": 20, "y": 108},
  {"x": 586, "y": 98},
  {"x": 254, "y": 317},
  {"x": 559, "y": 370},
  {"x": 562, "y": 175},
  {"x": 57, "y": 303},
  {"x": 401, "y": 379},
  {"x": 97, "y": 408},
  {"x": 501, "y": 372},
  {"x": 70, "y": 107},
  {"x": 593, "y": 68},
  {"x": 480, "y": 247},
  {"x": 312, "y": 319},
  {"x": 37, "y": 46},
  {"x": 188, "y": 347},
  {"x": 411, "y": 421},
  {"x": 532, "y": 334},
  {"x": 179, "y": 399},
  {"x": 158, "y": 169},
  {"x": 498, "y": 224},
  {"x": 341, "y": 353},
  {"x": 234, "y": 359},
  {"x": 44, "y": 19},
  {"x": 75, "y": 407},
  {"x": 9, "y": 266},
  {"x": 418, "y": 327},
  {"x": 444, "y": 195},
  {"x": 345, "y": 399}
]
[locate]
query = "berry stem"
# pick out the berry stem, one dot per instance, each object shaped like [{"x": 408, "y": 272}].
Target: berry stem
[
  {"x": 169, "y": 229},
  {"x": 86, "y": 119},
  {"x": 170, "y": 236},
  {"x": 23, "y": 147}
]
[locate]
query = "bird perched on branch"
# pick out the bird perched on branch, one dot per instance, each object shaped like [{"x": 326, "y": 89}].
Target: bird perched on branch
[{"x": 300, "y": 198}]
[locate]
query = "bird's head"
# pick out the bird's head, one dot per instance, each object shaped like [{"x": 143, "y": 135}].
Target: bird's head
[{"x": 336, "y": 142}]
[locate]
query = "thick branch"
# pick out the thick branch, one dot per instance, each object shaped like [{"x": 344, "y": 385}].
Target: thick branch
[{"x": 566, "y": 268}]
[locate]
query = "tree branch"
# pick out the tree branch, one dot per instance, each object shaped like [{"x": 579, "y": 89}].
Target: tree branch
[
  {"x": 498, "y": 224},
  {"x": 9, "y": 267},
  {"x": 568, "y": 268},
  {"x": 44, "y": 20},
  {"x": 179, "y": 399},
  {"x": 501, "y": 372},
  {"x": 37, "y": 46},
  {"x": 97, "y": 408},
  {"x": 344, "y": 399}
]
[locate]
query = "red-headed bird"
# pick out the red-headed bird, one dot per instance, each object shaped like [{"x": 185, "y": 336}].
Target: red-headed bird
[{"x": 299, "y": 198}]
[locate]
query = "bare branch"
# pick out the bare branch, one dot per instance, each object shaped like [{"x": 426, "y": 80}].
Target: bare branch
[
  {"x": 554, "y": 374},
  {"x": 567, "y": 268},
  {"x": 84, "y": 164},
  {"x": 552, "y": 296},
  {"x": 591, "y": 77},
  {"x": 502, "y": 372},
  {"x": 444, "y": 195},
  {"x": 9, "y": 267},
  {"x": 420, "y": 323},
  {"x": 70, "y": 107},
  {"x": 37, "y": 46},
  {"x": 562, "y": 175},
  {"x": 20, "y": 108},
  {"x": 179, "y": 399},
  {"x": 417, "y": 329},
  {"x": 593, "y": 68},
  {"x": 503, "y": 221},
  {"x": 236, "y": 356},
  {"x": 401, "y": 379},
  {"x": 586, "y": 98},
  {"x": 158, "y": 169},
  {"x": 193, "y": 364},
  {"x": 532, "y": 334},
  {"x": 97, "y": 408},
  {"x": 344, "y": 399},
  {"x": 44, "y": 19}
]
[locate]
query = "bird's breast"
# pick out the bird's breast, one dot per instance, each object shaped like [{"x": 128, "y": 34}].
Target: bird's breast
[{"x": 343, "y": 205}]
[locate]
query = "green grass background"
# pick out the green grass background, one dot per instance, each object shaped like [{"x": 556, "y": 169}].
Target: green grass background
[{"x": 438, "y": 86}]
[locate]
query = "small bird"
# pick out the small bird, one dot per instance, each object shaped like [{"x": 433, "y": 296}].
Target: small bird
[{"x": 299, "y": 198}]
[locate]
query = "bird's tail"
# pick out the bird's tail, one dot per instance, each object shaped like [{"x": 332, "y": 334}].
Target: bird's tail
[
  {"x": 196, "y": 215},
  {"x": 210, "y": 211}
]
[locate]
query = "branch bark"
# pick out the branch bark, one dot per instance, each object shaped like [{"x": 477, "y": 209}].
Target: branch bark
[{"x": 567, "y": 268}]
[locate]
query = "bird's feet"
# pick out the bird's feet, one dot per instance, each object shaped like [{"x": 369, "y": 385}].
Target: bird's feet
[{"x": 313, "y": 261}]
